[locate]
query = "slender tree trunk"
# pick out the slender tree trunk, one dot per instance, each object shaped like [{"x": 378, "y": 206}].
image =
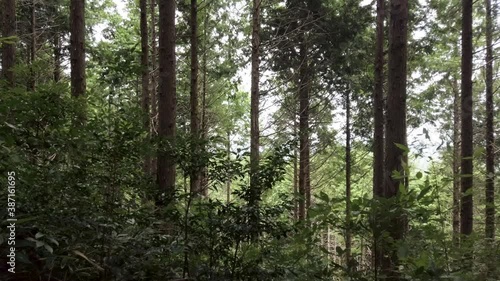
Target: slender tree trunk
[
  {"x": 167, "y": 100},
  {"x": 57, "y": 57},
  {"x": 308, "y": 162},
  {"x": 304, "y": 190},
  {"x": 77, "y": 47},
  {"x": 8, "y": 30},
  {"x": 204, "y": 129},
  {"x": 32, "y": 82},
  {"x": 490, "y": 138},
  {"x": 378, "y": 121},
  {"x": 348, "y": 239},
  {"x": 228, "y": 182},
  {"x": 395, "y": 133},
  {"x": 295, "y": 171},
  {"x": 467, "y": 131},
  {"x": 194, "y": 173},
  {"x": 145, "y": 76},
  {"x": 154, "y": 82},
  {"x": 456, "y": 164},
  {"x": 254, "y": 100},
  {"x": 378, "y": 104}
]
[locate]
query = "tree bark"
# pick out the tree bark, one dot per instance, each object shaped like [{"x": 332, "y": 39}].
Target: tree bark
[
  {"x": 378, "y": 120},
  {"x": 304, "y": 150},
  {"x": 77, "y": 47},
  {"x": 378, "y": 104},
  {"x": 194, "y": 180},
  {"x": 490, "y": 138},
  {"x": 295, "y": 169},
  {"x": 57, "y": 57},
  {"x": 395, "y": 133},
  {"x": 348, "y": 238},
  {"x": 167, "y": 100},
  {"x": 254, "y": 103},
  {"x": 228, "y": 181},
  {"x": 204, "y": 129},
  {"x": 467, "y": 131},
  {"x": 456, "y": 164},
  {"x": 32, "y": 82},
  {"x": 154, "y": 83},
  {"x": 145, "y": 76},
  {"x": 8, "y": 30}
]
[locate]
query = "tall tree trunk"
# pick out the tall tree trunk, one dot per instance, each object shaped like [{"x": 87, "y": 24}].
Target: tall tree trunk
[
  {"x": 490, "y": 138},
  {"x": 395, "y": 133},
  {"x": 378, "y": 104},
  {"x": 77, "y": 47},
  {"x": 154, "y": 82},
  {"x": 167, "y": 100},
  {"x": 228, "y": 181},
  {"x": 255, "y": 187},
  {"x": 295, "y": 170},
  {"x": 204, "y": 129},
  {"x": 456, "y": 164},
  {"x": 304, "y": 190},
  {"x": 32, "y": 82},
  {"x": 8, "y": 30},
  {"x": 378, "y": 121},
  {"x": 254, "y": 102},
  {"x": 348, "y": 238},
  {"x": 57, "y": 57},
  {"x": 466, "y": 134},
  {"x": 194, "y": 173},
  {"x": 145, "y": 76}
]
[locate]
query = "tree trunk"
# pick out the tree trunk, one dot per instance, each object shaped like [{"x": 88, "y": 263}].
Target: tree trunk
[
  {"x": 378, "y": 105},
  {"x": 167, "y": 101},
  {"x": 145, "y": 76},
  {"x": 395, "y": 133},
  {"x": 304, "y": 190},
  {"x": 348, "y": 238},
  {"x": 194, "y": 180},
  {"x": 204, "y": 129},
  {"x": 32, "y": 82},
  {"x": 57, "y": 57},
  {"x": 8, "y": 30},
  {"x": 295, "y": 170},
  {"x": 490, "y": 138},
  {"x": 77, "y": 47},
  {"x": 228, "y": 181},
  {"x": 378, "y": 120},
  {"x": 154, "y": 83},
  {"x": 466, "y": 108},
  {"x": 254, "y": 100},
  {"x": 456, "y": 164}
]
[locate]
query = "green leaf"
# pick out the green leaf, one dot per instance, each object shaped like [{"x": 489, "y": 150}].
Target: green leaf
[
  {"x": 339, "y": 250},
  {"x": 48, "y": 248},
  {"x": 54, "y": 241},
  {"x": 423, "y": 192},
  {"x": 39, "y": 235},
  {"x": 80, "y": 254},
  {"x": 402, "y": 147},
  {"x": 402, "y": 188},
  {"x": 324, "y": 250},
  {"x": 403, "y": 251},
  {"x": 37, "y": 242},
  {"x": 23, "y": 258},
  {"x": 323, "y": 196},
  {"x": 11, "y": 126},
  {"x": 419, "y": 175}
]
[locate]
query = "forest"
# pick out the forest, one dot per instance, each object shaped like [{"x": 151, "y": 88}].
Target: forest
[{"x": 176, "y": 140}]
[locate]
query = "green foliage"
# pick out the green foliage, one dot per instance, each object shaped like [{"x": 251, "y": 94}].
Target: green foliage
[{"x": 86, "y": 210}]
